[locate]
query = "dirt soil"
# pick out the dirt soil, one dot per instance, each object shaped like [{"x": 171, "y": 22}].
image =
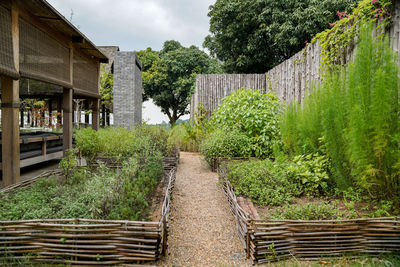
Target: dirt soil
[
  {"x": 202, "y": 229},
  {"x": 157, "y": 199}
]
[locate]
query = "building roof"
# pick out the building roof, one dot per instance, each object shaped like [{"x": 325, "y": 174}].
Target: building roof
[
  {"x": 109, "y": 51},
  {"x": 48, "y": 15}
]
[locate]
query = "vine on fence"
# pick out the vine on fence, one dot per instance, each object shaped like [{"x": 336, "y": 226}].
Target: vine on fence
[{"x": 337, "y": 41}]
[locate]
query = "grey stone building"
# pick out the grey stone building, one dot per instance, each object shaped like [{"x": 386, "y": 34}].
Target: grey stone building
[{"x": 127, "y": 89}]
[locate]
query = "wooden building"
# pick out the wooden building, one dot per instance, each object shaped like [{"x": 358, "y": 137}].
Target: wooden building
[{"x": 38, "y": 44}]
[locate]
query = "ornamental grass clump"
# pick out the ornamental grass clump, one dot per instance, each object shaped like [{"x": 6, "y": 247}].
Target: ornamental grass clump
[{"x": 354, "y": 118}]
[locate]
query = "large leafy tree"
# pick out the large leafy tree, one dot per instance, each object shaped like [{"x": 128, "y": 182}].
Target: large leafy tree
[
  {"x": 169, "y": 76},
  {"x": 252, "y": 36}
]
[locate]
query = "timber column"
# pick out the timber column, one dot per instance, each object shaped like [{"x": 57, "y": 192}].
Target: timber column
[
  {"x": 68, "y": 94},
  {"x": 10, "y": 113},
  {"x": 95, "y": 114},
  {"x": 67, "y": 119}
]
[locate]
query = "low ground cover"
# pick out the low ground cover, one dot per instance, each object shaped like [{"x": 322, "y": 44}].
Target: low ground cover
[
  {"x": 295, "y": 190},
  {"x": 96, "y": 192}
]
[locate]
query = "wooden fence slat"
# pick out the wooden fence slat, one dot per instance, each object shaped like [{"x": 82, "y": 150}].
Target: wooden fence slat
[{"x": 272, "y": 240}]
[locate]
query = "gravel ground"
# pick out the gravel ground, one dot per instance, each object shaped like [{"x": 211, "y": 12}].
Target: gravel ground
[{"x": 202, "y": 229}]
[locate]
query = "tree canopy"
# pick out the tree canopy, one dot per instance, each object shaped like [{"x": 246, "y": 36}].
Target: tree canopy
[
  {"x": 252, "y": 36},
  {"x": 169, "y": 76}
]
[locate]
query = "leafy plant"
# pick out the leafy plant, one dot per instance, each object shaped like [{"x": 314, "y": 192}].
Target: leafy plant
[
  {"x": 337, "y": 41},
  {"x": 264, "y": 182},
  {"x": 254, "y": 36},
  {"x": 88, "y": 143},
  {"x": 309, "y": 211},
  {"x": 68, "y": 163},
  {"x": 253, "y": 113},
  {"x": 121, "y": 142},
  {"x": 311, "y": 173},
  {"x": 100, "y": 193},
  {"x": 225, "y": 143}
]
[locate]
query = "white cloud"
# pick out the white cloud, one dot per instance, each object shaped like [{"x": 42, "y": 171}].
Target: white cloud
[
  {"x": 135, "y": 24},
  {"x": 138, "y": 24}
]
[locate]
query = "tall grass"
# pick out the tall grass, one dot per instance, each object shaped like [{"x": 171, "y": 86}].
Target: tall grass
[{"x": 353, "y": 116}]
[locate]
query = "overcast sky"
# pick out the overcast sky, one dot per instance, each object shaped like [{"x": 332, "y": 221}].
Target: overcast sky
[{"x": 138, "y": 24}]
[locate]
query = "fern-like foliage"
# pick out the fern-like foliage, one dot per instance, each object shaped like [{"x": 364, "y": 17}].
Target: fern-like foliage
[{"x": 354, "y": 117}]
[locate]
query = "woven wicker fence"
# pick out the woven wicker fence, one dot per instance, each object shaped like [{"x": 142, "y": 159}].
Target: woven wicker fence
[
  {"x": 88, "y": 242},
  {"x": 272, "y": 240}
]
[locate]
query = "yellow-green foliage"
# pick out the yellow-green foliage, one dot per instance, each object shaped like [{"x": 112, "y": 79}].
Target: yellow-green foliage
[
  {"x": 121, "y": 142},
  {"x": 178, "y": 137},
  {"x": 337, "y": 41},
  {"x": 196, "y": 130},
  {"x": 354, "y": 118}
]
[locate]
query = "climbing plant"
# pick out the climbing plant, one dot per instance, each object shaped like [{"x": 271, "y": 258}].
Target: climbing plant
[{"x": 340, "y": 38}]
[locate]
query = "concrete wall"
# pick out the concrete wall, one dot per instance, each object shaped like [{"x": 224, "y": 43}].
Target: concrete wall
[{"x": 127, "y": 90}]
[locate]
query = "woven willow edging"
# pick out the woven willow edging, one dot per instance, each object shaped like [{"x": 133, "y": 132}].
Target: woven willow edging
[
  {"x": 272, "y": 240},
  {"x": 86, "y": 241}
]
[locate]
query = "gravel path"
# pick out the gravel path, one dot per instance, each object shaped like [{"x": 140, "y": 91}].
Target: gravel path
[{"x": 202, "y": 229}]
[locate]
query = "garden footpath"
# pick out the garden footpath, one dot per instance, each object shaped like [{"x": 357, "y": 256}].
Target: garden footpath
[{"x": 202, "y": 229}]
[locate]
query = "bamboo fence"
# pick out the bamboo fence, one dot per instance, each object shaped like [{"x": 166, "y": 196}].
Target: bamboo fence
[
  {"x": 87, "y": 241},
  {"x": 271, "y": 240}
]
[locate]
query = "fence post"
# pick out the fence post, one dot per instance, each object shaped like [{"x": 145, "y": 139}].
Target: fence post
[
  {"x": 247, "y": 241},
  {"x": 164, "y": 238}
]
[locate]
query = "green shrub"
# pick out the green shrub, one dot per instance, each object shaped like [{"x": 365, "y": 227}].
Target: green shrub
[
  {"x": 276, "y": 182},
  {"x": 122, "y": 142},
  {"x": 309, "y": 211},
  {"x": 311, "y": 173},
  {"x": 69, "y": 163},
  {"x": 225, "y": 143},
  {"x": 253, "y": 113},
  {"x": 158, "y": 138},
  {"x": 137, "y": 187},
  {"x": 88, "y": 142},
  {"x": 264, "y": 182}
]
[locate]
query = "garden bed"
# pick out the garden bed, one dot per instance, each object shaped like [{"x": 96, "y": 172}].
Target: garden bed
[
  {"x": 270, "y": 240},
  {"x": 97, "y": 213},
  {"x": 88, "y": 241}
]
